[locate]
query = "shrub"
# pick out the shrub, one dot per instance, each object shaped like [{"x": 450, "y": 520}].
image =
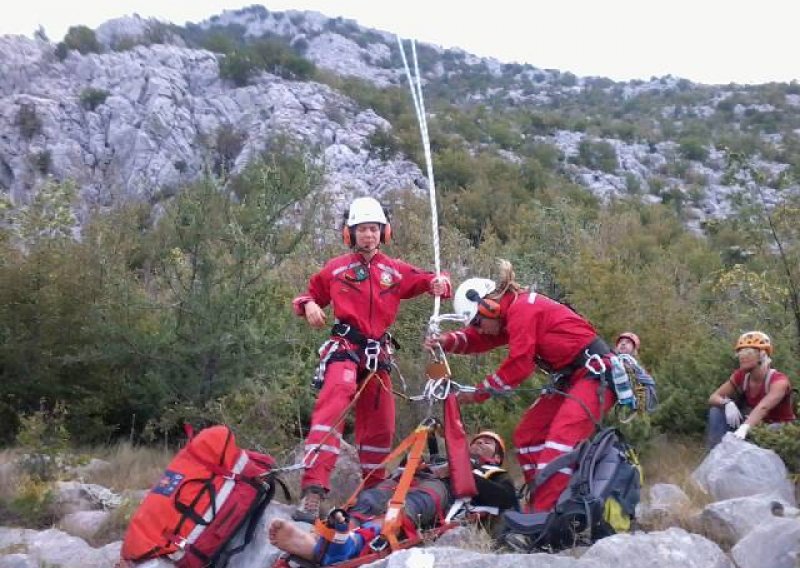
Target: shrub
[
  {"x": 82, "y": 39},
  {"x": 43, "y": 435},
  {"x": 693, "y": 149},
  {"x": 382, "y": 144},
  {"x": 598, "y": 155},
  {"x": 28, "y": 121},
  {"x": 42, "y": 161},
  {"x": 237, "y": 66},
  {"x": 92, "y": 98},
  {"x": 33, "y": 505},
  {"x": 785, "y": 442}
]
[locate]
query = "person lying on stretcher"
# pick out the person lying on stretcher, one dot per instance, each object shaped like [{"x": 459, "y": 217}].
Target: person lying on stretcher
[{"x": 426, "y": 503}]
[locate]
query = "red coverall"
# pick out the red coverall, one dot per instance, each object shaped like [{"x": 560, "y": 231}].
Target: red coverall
[
  {"x": 539, "y": 328},
  {"x": 366, "y": 296}
]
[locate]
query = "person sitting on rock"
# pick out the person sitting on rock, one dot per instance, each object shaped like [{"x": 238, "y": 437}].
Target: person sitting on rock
[
  {"x": 753, "y": 394},
  {"x": 426, "y": 502}
]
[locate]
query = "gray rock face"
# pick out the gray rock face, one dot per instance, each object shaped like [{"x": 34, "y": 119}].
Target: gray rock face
[
  {"x": 736, "y": 468},
  {"x": 775, "y": 544},
  {"x": 672, "y": 548},
  {"x": 155, "y": 118}
]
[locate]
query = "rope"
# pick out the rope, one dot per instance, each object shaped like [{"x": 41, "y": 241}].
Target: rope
[{"x": 419, "y": 107}]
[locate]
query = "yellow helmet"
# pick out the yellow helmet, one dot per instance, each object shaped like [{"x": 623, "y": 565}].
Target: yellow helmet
[
  {"x": 754, "y": 340},
  {"x": 501, "y": 445}
]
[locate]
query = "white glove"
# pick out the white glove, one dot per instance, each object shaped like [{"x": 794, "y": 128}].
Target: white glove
[
  {"x": 732, "y": 414},
  {"x": 741, "y": 431}
]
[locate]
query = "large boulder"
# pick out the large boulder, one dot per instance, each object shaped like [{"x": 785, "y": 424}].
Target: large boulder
[
  {"x": 460, "y": 558},
  {"x": 774, "y": 544},
  {"x": 55, "y": 548},
  {"x": 84, "y": 524},
  {"x": 736, "y": 468},
  {"x": 730, "y": 520},
  {"x": 672, "y": 548}
]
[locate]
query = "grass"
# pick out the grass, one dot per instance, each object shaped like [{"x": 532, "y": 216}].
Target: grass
[
  {"x": 673, "y": 461},
  {"x": 132, "y": 467}
]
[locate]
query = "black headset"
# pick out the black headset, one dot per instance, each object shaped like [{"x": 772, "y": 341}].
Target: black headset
[{"x": 486, "y": 307}]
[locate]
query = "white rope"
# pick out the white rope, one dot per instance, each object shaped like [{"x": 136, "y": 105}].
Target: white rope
[{"x": 419, "y": 107}]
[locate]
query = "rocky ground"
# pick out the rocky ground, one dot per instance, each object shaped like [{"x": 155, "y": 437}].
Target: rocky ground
[{"x": 751, "y": 522}]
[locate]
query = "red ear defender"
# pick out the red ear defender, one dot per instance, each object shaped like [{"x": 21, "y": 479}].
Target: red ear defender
[
  {"x": 347, "y": 236},
  {"x": 386, "y": 234},
  {"x": 489, "y": 309}
]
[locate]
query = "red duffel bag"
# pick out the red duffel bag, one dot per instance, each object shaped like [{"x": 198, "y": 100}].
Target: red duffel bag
[{"x": 209, "y": 492}]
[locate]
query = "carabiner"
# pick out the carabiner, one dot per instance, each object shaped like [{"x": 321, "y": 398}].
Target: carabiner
[{"x": 591, "y": 361}]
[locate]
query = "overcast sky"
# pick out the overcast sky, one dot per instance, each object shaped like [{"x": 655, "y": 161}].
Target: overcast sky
[{"x": 707, "y": 41}]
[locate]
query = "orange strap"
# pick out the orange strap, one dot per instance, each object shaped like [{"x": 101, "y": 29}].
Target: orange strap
[{"x": 395, "y": 512}]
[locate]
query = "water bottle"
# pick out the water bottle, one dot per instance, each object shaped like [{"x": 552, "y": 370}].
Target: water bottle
[{"x": 621, "y": 383}]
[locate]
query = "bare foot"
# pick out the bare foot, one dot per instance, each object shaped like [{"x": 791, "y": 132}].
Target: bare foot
[{"x": 290, "y": 538}]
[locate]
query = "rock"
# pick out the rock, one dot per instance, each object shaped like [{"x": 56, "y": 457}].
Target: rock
[
  {"x": 70, "y": 498},
  {"x": 56, "y": 548},
  {"x": 672, "y": 548},
  {"x": 736, "y": 468},
  {"x": 773, "y": 544},
  {"x": 728, "y": 521},
  {"x": 459, "y": 558},
  {"x": 17, "y": 561},
  {"x": 84, "y": 524},
  {"x": 667, "y": 496}
]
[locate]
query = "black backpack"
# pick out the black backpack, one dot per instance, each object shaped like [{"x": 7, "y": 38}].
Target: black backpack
[{"x": 599, "y": 501}]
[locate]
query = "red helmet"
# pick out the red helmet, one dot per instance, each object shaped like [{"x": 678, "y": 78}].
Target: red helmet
[{"x": 629, "y": 335}]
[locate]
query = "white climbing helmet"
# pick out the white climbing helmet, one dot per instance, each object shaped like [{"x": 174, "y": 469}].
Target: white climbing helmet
[
  {"x": 465, "y": 307},
  {"x": 365, "y": 210}
]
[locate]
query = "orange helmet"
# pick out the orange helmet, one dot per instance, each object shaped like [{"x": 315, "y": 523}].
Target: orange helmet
[
  {"x": 755, "y": 340},
  {"x": 501, "y": 445},
  {"x": 629, "y": 335}
]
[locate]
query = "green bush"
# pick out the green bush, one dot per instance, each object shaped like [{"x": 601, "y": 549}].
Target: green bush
[
  {"x": 82, "y": 39},
  {"x": 693, "y": 149},
  {"x": 33, "y": 506},
  {"x": 237, "y": 66},
  {"x": 784, "y": 441},
  {"x": 28, "y": 121},
  {"x": 382, "y": 144},
  {"x": 42, "y": 161},
  {"x": 92, "y": 98},
  {"x": 597, "y": 155}
]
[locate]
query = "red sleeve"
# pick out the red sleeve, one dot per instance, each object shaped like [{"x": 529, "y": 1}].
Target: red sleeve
[
  {"x": 318, "y": 291},
  {"x": 468, "y": 340},
  {"x": 416, "y": 281},
  {"x": 519, "y": 364}
]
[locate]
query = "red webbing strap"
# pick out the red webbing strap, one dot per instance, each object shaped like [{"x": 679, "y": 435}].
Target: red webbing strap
[{"x": 462, "y": 481}]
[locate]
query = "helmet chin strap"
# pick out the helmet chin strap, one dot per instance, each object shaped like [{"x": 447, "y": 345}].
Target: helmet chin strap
[{"x": 367, "y": 249}]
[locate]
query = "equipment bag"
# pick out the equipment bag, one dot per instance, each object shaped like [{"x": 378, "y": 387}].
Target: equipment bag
[
  {"x": 599, "y": 500},
  {"x": 209, "y": 491}
]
